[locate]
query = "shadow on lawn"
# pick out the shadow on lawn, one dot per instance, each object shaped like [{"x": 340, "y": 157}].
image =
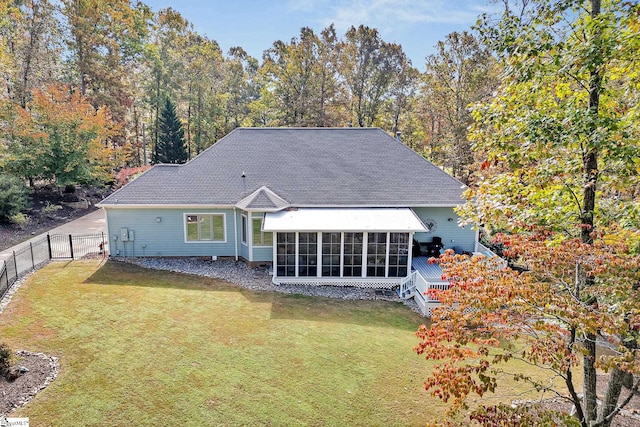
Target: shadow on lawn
[
  {"x": 123, "y": 274},
  {"x": 283, "y": 306},
  {"x": 376, "y": 314}
]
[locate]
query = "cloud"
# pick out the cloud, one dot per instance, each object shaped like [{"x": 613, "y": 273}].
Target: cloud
[{"x": 390, "y": 13}]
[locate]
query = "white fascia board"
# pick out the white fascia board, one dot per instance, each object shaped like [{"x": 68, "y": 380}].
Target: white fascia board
[{"x": 350, "y": 219}]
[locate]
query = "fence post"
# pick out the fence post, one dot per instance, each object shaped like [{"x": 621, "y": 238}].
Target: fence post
[
  {"x": 33, "y": 264},
  {"x": 71, "y": 246},
  {"x": 15, "y": 263},
  {"x": 49, "y": 245},
  {"x": 6, "y": 273},
  {"x": 104, "y": 249}
]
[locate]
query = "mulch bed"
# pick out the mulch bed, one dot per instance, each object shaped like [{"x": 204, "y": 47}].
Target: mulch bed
[{"x": 42, "y": 369}]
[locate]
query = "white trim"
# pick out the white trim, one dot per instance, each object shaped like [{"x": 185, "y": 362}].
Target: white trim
[
  {"x": 400, "y": 220},
  {"x": 162, "y": 206},
  {"x": 410, "y": 254},
  {"x": 342, "y": 254},
  {"x": 274, "y": 258},
  {"x": 359, "y": 282},
  {"x": 297, "y": 263},
  {"x": 231, "y": 206},
  {"x": 318, "y": 254},
  {"x": 224, "y": 224},
  {"x": 386, "y": 255},
  {"x": 365, "y": 252}
]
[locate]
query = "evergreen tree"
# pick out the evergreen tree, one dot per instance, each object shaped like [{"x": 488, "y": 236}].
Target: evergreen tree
[{"x": 170, "y": 147}]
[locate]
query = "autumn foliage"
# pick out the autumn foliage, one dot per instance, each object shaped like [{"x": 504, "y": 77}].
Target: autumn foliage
[
  {"x": 59, "y": 137},
  {"x": 493, "y": 315}
]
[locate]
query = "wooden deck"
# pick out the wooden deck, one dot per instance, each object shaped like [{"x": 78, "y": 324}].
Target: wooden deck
[{"x": 430, "y": 272}]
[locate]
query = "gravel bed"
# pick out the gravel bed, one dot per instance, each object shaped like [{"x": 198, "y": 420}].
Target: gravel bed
[{"x": 259, "y": 279}]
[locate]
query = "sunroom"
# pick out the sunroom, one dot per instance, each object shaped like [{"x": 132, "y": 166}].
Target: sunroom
[{"x": 365, "y": 247}]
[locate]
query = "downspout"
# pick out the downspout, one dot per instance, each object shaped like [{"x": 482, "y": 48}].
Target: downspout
[
  {"x": 111, "y": 249},
  {"x": 235, "y": 229},
  {"x": 477, "y": 239}
]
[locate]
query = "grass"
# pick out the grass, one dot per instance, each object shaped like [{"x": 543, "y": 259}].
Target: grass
[{"x": 140, "y": 347}]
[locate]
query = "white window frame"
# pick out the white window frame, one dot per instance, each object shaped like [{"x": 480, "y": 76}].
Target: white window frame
[
  {"x": 244, "y": 229},
  {"x": 224, "y": 226}
]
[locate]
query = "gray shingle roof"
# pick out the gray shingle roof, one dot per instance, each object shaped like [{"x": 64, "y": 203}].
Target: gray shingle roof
[
  {"x": 301, "y": 166},
  {"x": 262, "y": 199}
]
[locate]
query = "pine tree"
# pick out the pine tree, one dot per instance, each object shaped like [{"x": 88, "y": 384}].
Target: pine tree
[{"x": 170, "y": 147}]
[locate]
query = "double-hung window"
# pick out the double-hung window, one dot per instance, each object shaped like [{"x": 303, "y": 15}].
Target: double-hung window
[
  {"x": 205, "y": 228},
  {"x": 260, "y": 238}
]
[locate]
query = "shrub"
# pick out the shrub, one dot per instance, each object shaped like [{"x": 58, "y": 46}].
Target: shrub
[
  {"x": 19, "y": 219},
  {"x": 128, "y": 174},
  {"x": 51, "y": 208},
  {"x": 5, "y": 358},
  {"x": 14, "y": 196}
]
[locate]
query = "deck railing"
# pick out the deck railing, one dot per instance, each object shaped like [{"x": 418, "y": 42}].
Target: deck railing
[
  {"x": 408, "y": 284},
  {"x": 427, "y": 288},
  {"x": 483, "y": 250}
]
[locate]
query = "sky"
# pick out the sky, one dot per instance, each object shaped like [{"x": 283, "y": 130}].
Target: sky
[{"x": 254, "y": 25}]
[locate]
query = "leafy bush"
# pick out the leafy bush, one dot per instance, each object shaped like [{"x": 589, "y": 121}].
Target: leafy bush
[
  {"x": 14, "y": 196},
  {"x": 19, "y": 219},
  {"x": 5, "y": 358},
  {"x": 50, "y": 208},
  {"x": 126, "y": 175}
]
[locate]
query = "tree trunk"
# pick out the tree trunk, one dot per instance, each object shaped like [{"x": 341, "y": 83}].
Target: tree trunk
[
  {"x": 590, "y": 376},
  {"x": 590, "y": 165},
  {"x": 611, "y": 398}
]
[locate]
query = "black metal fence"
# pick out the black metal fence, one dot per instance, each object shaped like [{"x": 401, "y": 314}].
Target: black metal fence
[{"x": 53, "y": 246}]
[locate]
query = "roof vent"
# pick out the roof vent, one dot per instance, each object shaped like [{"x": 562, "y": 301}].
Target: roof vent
[
  {"x": 398, "y": 135},
  {"x": 243, "y": 174}
]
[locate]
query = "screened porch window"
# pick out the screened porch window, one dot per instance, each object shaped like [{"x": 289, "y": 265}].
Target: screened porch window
[
  {"x": 205, "y": 227},
  {"x": 286, "y": 254},
  {"x": 376, "y": 254},
  {"x": 398, "y": 254},
  {"x": 331, "y": 254},
  {"x": 308, "y": 254},
  {"x": 352, "y": 258}
]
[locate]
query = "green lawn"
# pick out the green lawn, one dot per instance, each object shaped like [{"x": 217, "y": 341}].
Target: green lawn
[{"x": 148, "y": 348}]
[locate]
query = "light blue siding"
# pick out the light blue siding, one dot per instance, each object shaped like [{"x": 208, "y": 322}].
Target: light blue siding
[
  {"x": 450, "y": 232},
  {"x": 166, "y": 236},
  {"x": 263, "y": 254}
]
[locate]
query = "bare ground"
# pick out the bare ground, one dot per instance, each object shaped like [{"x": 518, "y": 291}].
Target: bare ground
[
  {"x": 49, "y": 209},
  {"x": 628, "y": 417}
]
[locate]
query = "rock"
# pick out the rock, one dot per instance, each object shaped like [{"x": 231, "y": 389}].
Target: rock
[{"x": 14, "y": 373}]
